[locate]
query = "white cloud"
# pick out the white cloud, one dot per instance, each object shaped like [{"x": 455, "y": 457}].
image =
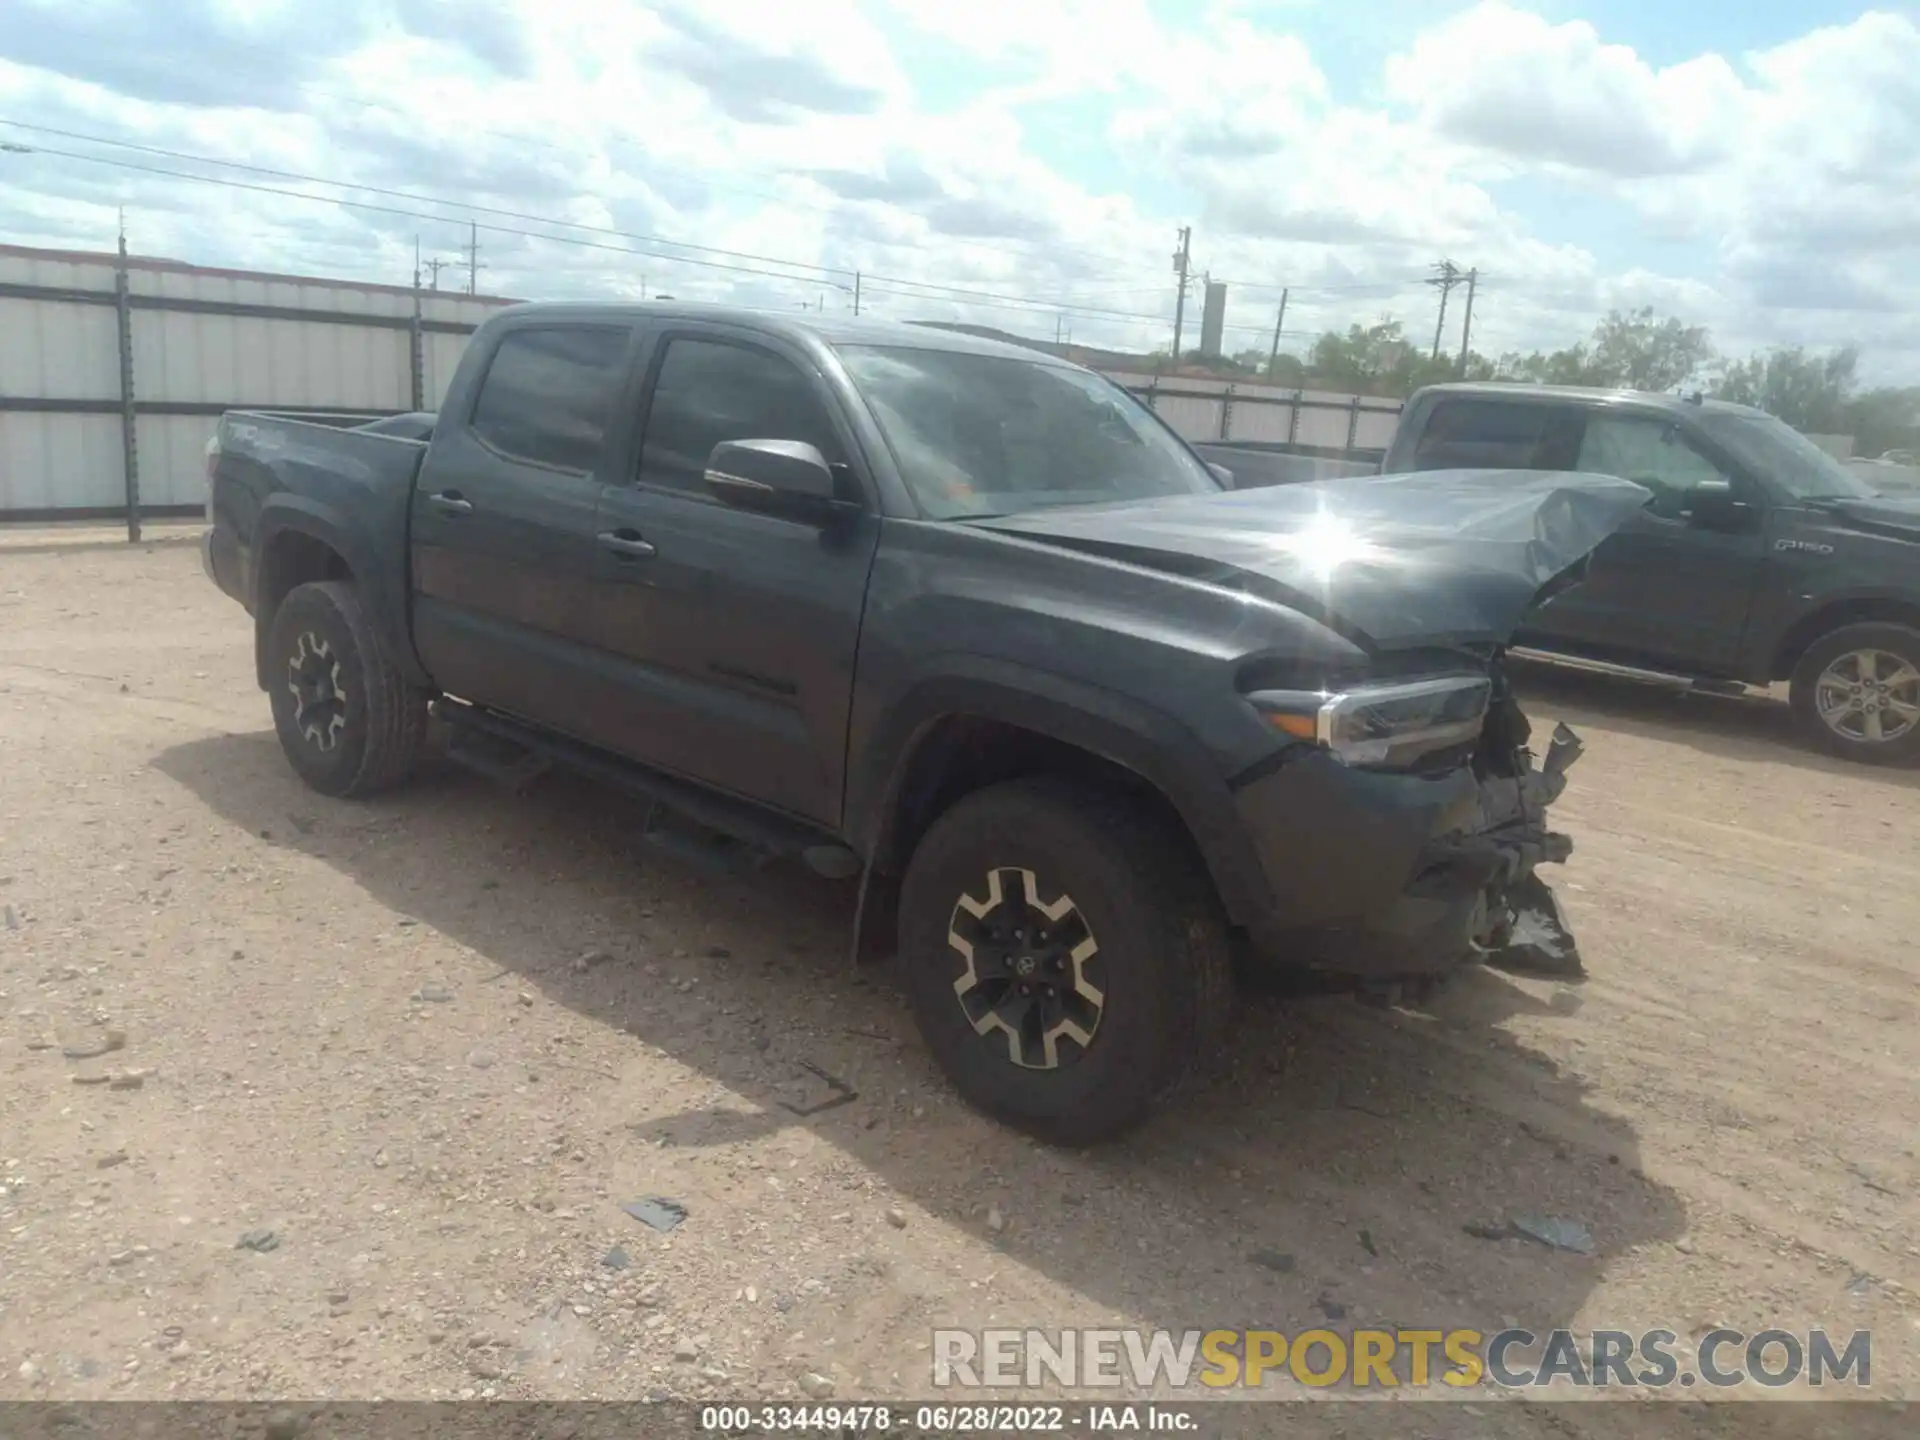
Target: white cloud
[
  {"x": 1508, "y": 80},
  {"x": 1799, "y": 165},
  {"x": 823, "y": 134}
]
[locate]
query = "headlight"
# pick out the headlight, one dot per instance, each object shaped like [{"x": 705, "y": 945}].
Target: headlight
[{"x": 1391, "y": 723}]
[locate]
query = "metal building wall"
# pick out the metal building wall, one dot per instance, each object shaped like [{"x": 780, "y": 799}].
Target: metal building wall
[
  {"x": 1309, "y": 422},
  {"x": 201, "y": 341}
]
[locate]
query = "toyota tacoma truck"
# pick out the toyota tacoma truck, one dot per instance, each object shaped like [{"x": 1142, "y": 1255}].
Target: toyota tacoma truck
[
  {"x": 968, "y": 623},
  {"x": 1758, "y": 557}
]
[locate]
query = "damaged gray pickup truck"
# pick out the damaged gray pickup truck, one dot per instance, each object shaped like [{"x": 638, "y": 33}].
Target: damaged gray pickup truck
[{"x": 967, "y": 622}]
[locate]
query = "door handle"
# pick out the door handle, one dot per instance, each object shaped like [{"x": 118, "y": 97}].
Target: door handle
[
  {"x": 452, "y": 502},
  {"x": 626, "y": 544}
]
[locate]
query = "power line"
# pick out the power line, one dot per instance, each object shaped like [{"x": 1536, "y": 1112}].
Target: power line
[
  {"x": 822, "y": 274},
  {"x": 1049, "y": 247},
  {"x": 896, "y": 287},
  {"x": 413, "y": 195},
  {"x": 1376, "y": 287}
]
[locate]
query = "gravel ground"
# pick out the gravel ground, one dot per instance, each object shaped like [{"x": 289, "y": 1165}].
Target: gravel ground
[{"x": 419, "y": 1053}]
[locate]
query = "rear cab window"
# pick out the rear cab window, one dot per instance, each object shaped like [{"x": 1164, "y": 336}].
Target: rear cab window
[
  {"x": 549, "y": 394},
  {"x": 1499, "y": 435}
]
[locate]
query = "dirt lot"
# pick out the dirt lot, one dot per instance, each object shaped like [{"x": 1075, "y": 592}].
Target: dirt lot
[{"x": 434, "y": 1043}]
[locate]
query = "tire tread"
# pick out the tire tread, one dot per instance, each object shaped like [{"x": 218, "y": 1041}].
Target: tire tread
[
  {"x": 396, "y": 712},
  {"x": 1175, "y": 891}
]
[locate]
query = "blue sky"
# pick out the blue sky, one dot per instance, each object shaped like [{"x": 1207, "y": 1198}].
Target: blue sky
[{"x": 1751, "y": 167}]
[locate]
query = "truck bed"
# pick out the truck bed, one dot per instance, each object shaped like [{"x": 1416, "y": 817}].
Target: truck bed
[{"x": 347, "y": 486}]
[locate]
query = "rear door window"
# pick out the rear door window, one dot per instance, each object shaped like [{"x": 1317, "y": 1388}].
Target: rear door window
[{"x": 549, "y": 393}]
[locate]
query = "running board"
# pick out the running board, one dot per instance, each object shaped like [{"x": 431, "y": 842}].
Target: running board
[
  {"x": 513, "y": 766},
  {"x": 741, "y": 837},
  {"x": 1705, "y": 684}
]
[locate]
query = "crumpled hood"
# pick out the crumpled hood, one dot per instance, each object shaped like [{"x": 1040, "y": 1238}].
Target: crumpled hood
[{"x": 1431, "y": 557}]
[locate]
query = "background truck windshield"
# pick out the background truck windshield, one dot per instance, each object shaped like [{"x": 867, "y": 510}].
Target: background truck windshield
[{"x": 980, "y": 435}]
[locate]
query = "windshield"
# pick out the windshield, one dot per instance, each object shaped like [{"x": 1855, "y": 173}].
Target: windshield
[
  {"x": 978, "y": 435},
  {"x": 1783, "y": 455}
]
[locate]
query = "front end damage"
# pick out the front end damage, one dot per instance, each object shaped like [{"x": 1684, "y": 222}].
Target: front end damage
[{"x": 1518, "y": 924}]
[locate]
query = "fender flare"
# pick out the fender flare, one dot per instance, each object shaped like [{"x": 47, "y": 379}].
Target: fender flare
[
  {"x": 1164, "y": 754},
  {"x": 1855, "y": 606},
  {"x": 302, "y": 515}
]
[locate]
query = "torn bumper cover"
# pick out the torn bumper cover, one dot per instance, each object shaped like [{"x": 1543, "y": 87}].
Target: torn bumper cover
[
  {"x": 1520, "y": 923},
  {"x": 1448, "y": 877}
]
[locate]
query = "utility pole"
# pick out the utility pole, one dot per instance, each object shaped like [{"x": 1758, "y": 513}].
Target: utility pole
[
  {"x": 1181, "y": 258},
  {"x": 434, "y": 267},
  {"x": 416, "y": 341},
  {"x": 856, "y": 294},
  {"x": 1466, "y": 326},
  {"x": 129, "y": 411},
  {"x": 473, "y": 257},
  {"x": 1446, "y": 275},
  {"x": 1273, "y": 359}
]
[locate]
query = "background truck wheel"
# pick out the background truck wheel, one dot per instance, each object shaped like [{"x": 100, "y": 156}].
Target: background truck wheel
[
  {"x": 347, "y": 719},
  {"x": 1856, "y": 693},
  {"x": 1064, "y": 955}
]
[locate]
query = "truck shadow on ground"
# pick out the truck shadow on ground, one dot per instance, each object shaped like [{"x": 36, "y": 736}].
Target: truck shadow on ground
[
  {"x": 1346, "y": 1169},
  {"x": 1751, "y": 728}
]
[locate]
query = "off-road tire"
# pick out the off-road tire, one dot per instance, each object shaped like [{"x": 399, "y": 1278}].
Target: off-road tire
[
  {"x": 1900, "y": 640},
  {"x": 378, "y": 743},
  {"x": 1164, "y": 960}
]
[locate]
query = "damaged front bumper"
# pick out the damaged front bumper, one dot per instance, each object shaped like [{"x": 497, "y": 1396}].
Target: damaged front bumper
[
  {"x": 1466, "y": 847},
  {"x": 1520, "y": 924}
]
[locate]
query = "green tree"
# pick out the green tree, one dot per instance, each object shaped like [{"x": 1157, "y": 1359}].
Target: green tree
[
  {"x": 1633, "y": 350},
  {"x": 1287, "y": 370},
  {"x": 1563, "y": 367},
  {"x": 1884, "y": 419},
  {"x": 1809, "y": 392},
  {"x": 1629, "y": 350},
  {"x": 1376, "y": 359}
]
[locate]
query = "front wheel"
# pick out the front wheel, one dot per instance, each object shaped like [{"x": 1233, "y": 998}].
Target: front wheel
[
  {"x": 1856, "y": 693},
  {"x": 347, "y": 719},
  {"x": 1064, "y": 955}
]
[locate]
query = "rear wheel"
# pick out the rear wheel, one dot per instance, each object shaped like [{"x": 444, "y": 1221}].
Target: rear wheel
[
  {"x": 1064, "y": 955},
  {"x": 1856, "y": 693},
  {"x": 347, "y": 719}
]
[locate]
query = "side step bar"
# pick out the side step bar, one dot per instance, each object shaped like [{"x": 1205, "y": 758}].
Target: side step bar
[
  {"x": 740, "y": 836},
  {"x": 1706, "y": 685}
]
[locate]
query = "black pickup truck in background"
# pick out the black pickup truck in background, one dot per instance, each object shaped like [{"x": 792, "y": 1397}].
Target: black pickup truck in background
[
  {"x": 1759, "y": 558},
  {"x": 967, "y": 622}
]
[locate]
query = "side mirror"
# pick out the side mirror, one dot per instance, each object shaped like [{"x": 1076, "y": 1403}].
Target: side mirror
[
  {"x": 789, "y": 478},
  {"x": 1222, "y": 474},
  {"x": 1713, "y": 505}
]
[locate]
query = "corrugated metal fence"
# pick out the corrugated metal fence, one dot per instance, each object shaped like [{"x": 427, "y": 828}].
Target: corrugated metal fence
[
  {"x": 1316, "y": 423},
  {"x": 115, "y": 370}
]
